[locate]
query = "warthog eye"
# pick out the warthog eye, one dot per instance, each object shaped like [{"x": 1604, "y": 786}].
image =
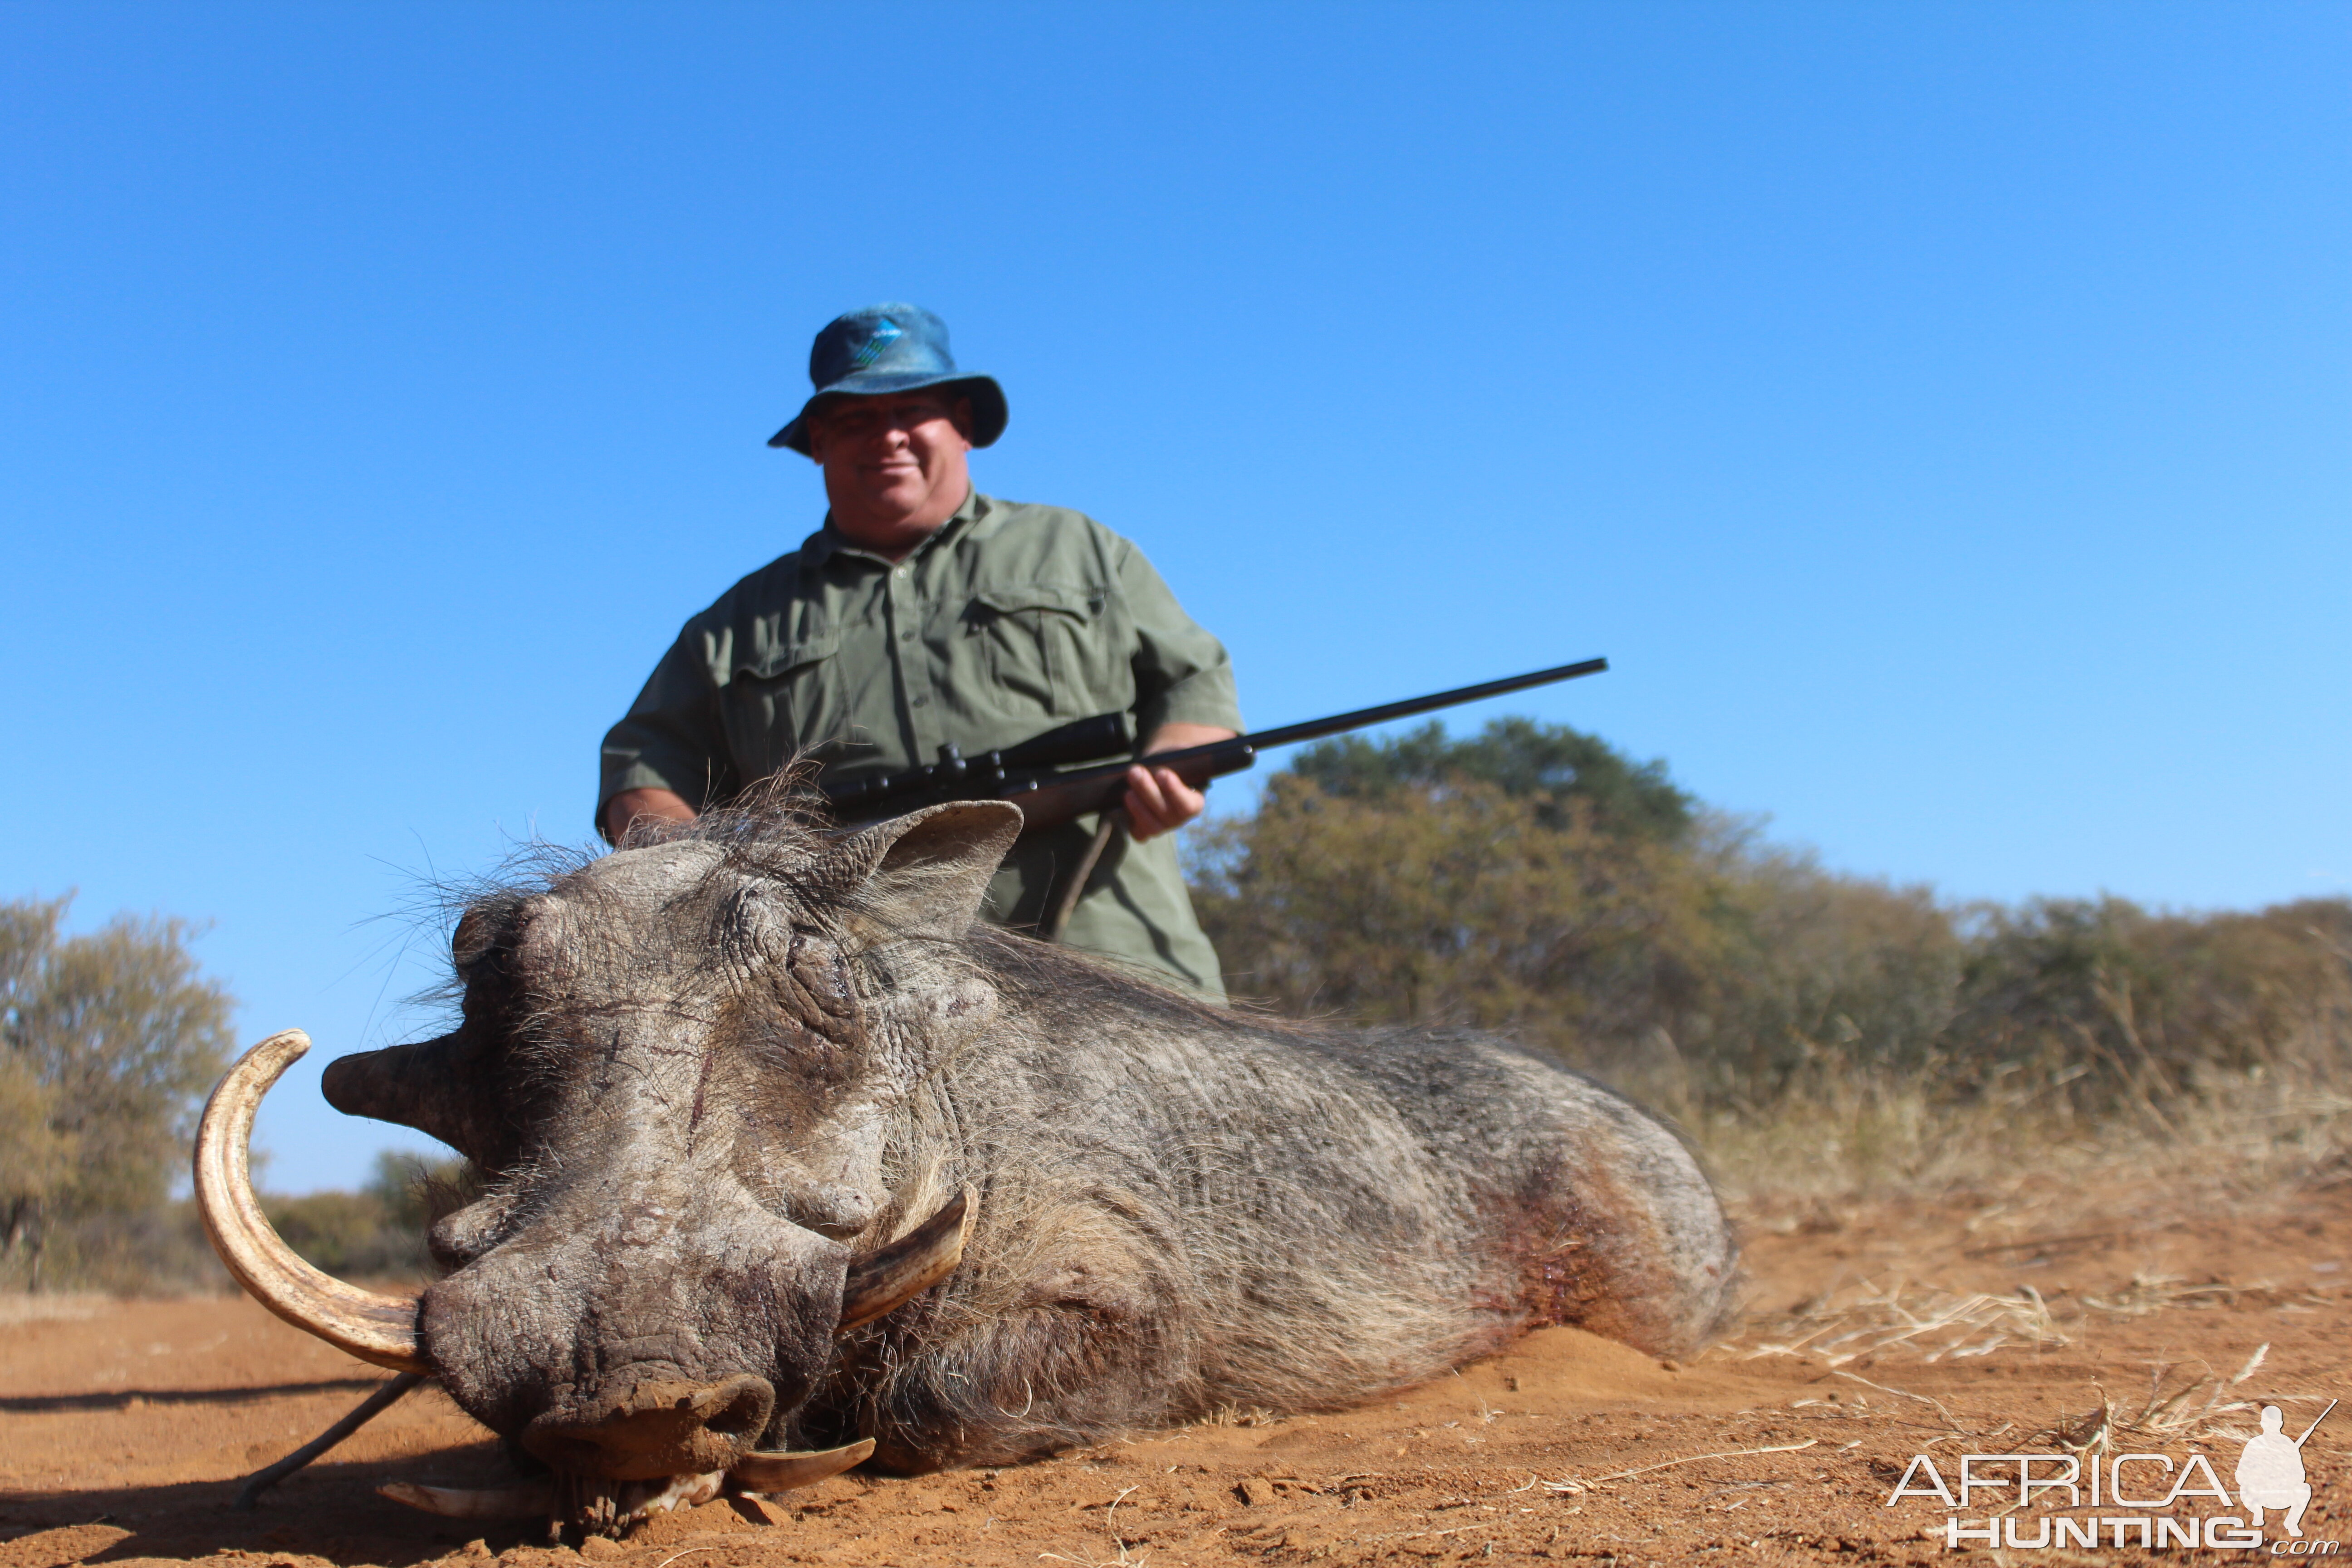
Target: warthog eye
[
  {"x": 819, "y": 971},
  {"x": 456, "y": 1239}
]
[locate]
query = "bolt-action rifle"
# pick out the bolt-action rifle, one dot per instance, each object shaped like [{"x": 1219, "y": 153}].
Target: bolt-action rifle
[{"x": 1068, "y": 772}]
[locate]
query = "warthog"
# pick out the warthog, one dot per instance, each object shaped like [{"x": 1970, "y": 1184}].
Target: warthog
[{"x": 793, "y": 1162}]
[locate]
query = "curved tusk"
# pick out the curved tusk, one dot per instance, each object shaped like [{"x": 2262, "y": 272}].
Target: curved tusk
[
  {"x": 784, "y": 1472},
  {"x": 379, "y": 1329},
  {"x": 886, "y": 1281},
  {"x": 533, "y": 1502}
]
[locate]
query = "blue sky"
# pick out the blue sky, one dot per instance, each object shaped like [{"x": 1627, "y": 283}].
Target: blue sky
[{"x": 1940, "y": 414}]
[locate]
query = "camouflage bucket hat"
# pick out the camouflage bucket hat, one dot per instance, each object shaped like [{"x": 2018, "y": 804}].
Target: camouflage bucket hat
[{"x": 891, "y": 348}]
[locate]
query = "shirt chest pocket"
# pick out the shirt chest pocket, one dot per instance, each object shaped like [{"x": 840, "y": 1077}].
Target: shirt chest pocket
[
  {"x": 1052, "y": 646},
  {"x": 780, "y": 699}
]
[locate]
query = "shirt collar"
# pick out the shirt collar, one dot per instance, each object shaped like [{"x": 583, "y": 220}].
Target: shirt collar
[{"x": 973, "y": 517}]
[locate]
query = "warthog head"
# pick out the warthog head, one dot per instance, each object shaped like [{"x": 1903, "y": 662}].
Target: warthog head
[{"x": 676, "y": 1065}]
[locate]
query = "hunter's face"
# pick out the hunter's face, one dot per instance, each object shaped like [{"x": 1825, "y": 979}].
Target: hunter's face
[{"x": 894, "y": 463}]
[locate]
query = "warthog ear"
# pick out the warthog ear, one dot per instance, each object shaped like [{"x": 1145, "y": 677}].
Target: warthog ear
[{"x": 927, "y": 871}]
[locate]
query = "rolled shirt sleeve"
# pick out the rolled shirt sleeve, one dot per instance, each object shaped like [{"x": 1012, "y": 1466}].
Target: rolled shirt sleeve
[{"x": 673, "y": 738}]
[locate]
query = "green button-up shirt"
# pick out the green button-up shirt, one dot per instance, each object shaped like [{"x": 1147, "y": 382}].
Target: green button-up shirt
[{"x": 1010, "y": 620}]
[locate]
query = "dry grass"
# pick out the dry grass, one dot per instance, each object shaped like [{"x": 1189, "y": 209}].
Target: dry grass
[
  {"x": 1933, "y": 1325},
  {"x": 1859, "y": 1140},
  {"x": 1572, "y": 1484},
  {"x": 2237, "y": 1139},
  {"x": 2183, "y": 1404},
  {"x": 18, "y": 1308},
  {"x": 2157, "y": 1293},
  {"x": 1239, "y": 1415}
]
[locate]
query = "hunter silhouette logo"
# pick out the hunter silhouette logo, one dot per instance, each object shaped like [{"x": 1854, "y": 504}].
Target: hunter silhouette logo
[{"x": 2269, "y": 1472}]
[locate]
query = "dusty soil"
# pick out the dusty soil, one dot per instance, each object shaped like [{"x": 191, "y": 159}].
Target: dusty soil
[{"x": 1874, "y": 1334}]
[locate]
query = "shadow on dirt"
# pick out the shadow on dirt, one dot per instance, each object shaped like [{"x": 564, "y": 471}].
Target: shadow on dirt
[
  {"x": 330, "y": 1510},
  {"x": 125, "y": 1399}
]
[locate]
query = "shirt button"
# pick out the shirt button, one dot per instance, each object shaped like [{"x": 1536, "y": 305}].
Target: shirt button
[
  {"x": 919, "y": 701},
  {"x": 906, "y": 637}
]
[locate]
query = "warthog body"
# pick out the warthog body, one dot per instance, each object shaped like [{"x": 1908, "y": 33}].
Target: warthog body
[{"x": 706, "y": 1073}]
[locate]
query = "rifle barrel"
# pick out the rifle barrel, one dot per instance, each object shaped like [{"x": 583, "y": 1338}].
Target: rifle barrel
[
  {"x": 1339, "y": 723},
  {"x": 1220, "y": 757}
]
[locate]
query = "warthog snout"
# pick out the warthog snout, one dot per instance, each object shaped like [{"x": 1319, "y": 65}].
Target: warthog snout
[{"x": 656, "y": 1428}]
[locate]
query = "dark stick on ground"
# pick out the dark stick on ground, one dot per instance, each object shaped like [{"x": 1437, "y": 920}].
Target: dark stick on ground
[{"x": 367, "y": 1410}]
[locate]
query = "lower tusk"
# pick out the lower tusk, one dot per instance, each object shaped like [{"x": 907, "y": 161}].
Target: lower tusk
[
  {"x": 534, "y": 1501},
  {"x": 786, "y": 1472},
  {"x": 887, "y": 1279}
]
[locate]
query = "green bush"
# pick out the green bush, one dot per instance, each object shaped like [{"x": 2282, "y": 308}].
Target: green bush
[
  {"x": 108, "y": 1044},
  {"x": 377, "y": 1231}
]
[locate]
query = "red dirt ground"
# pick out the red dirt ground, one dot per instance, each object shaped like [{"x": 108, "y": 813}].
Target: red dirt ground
[{"x": 125, "y": 1426}]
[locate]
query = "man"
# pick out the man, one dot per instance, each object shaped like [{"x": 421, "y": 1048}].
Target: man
[{"x": 923, "y": 614}]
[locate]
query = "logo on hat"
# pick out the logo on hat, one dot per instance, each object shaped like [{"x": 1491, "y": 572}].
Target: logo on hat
[{"x": 885, "y": 333}]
